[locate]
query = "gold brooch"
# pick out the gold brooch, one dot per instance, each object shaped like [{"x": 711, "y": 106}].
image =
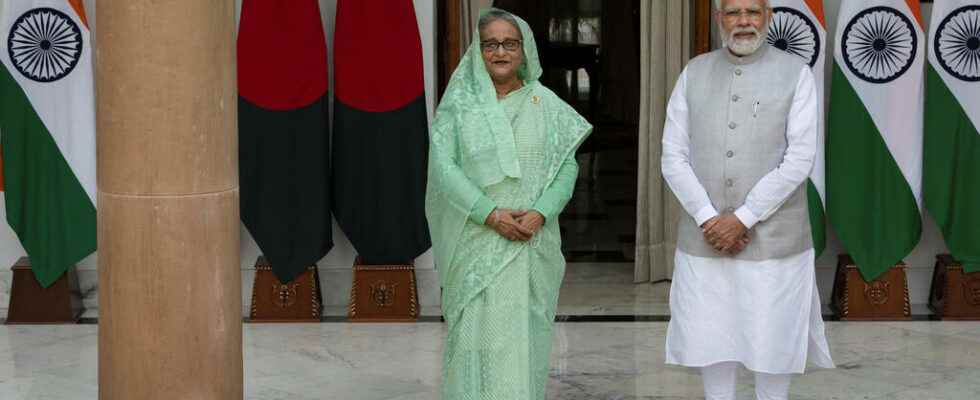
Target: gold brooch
[{"x": 535, "y": 99}]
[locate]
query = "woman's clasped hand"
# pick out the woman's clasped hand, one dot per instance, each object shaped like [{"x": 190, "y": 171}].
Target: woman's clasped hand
[{"x": 515, "y": 224}]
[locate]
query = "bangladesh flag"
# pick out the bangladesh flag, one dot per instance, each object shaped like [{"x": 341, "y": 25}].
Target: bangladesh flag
[
  {"x": 47, "y": 132},
  {"x": 951, "y": 156},
  {"x": 874, "y": 143},
  {"x": 282, "y": 127},
  {"x": 799, "y": 27},
  {"x": 380, "y": 135}
]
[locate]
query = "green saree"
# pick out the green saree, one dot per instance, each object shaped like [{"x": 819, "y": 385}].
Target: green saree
[{"x": 499, "y": 297}]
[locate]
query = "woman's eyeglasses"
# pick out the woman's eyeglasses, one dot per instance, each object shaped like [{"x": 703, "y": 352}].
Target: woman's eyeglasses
[{"x": 490, "y": 46}]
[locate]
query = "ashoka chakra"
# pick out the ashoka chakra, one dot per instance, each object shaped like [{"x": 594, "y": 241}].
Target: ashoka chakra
[
  {"x": 44, "y": 44},
  {"x": 792, "y": 32},
  {"x": 879, "y": 44},
  {"x": 957, "y": 43}
]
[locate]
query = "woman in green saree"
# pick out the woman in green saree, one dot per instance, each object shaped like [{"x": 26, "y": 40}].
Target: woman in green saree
[{"x": 501, "y": 168}]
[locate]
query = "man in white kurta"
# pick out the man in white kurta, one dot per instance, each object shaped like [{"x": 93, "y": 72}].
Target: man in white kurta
[{"x": 738, "y": 145}]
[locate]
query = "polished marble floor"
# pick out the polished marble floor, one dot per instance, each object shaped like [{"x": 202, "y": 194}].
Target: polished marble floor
[
  {"x": 603, "y": 289},
  {"x": 592, "y": 361}
]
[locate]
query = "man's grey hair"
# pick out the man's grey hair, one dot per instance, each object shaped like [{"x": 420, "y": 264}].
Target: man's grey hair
[
  {"x": 495, "y": 14},
  {"x": 765, "y": 3}
]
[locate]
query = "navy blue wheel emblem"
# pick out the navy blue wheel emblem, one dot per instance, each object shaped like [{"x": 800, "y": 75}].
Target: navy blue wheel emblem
[
  {"x": 791, "y": 31},
  {"x": 44, "y": 44},
  {"x": 957, "y": 43},
  {"x": 879, "y": 44}
]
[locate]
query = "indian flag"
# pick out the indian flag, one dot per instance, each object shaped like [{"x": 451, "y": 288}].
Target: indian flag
[
  {"x": 47, "y": 131},
  {"x": 874, "y": 133},
  {"x": 952, "y": 139},
  {"x": 799, "y": 27}
]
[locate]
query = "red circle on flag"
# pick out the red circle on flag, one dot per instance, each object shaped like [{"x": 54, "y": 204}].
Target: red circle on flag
[
  {"x": 282, "y": 53},
  {"x": 377, "y": 54}
]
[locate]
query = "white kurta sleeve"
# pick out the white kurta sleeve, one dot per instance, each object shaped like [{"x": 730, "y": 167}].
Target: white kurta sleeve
[
  {"x": 801, "y": 137},
  {"x": 675, "y": 162}
]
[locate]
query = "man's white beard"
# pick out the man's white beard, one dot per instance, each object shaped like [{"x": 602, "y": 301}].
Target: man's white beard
[{"x": 744, "y": 47}]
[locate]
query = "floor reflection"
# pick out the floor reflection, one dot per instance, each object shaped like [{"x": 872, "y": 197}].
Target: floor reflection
[{"x": 593, "y": 361}]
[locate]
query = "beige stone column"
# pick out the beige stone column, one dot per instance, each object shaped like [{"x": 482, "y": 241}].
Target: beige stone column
[{"x": 169, "y": 276}]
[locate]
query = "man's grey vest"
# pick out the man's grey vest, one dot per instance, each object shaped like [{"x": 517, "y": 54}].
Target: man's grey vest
[{"x": 739, "y": 108}]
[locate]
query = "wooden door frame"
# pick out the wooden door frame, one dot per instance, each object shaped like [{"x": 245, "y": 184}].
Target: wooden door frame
[
  {"x": 702, "y": 27},
  {"x": 447, "y": 36}
]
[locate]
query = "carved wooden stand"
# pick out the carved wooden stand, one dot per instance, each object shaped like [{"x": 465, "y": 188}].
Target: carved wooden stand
[
  {"x": 955, "y": 294},
  {"x": 383, "y": 293},
  {"x": 61, "y": 303},
  {"x": 883, "y": 299},
  {"x": 274, "y": 301}
]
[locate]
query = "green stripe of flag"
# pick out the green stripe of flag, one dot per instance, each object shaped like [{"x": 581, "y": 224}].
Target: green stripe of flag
[
  {"x": 951, "y": 176},
  {"x": 46, "y": 205},
  {"x": 869, "y": 202}
]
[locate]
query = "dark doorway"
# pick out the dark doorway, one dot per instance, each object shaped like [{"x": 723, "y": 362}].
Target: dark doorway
[{"x": 590, "y": 51}]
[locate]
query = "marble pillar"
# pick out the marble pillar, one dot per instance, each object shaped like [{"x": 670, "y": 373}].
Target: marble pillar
[{"x": 169, "y": 278}]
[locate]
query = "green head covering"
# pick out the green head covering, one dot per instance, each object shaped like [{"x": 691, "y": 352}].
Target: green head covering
[
  {"x": 471, "y": 91},
  {"x": 472, "y": 145}
]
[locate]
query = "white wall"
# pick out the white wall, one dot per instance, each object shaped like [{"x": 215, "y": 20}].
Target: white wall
[{"x": 335, "y": 267}]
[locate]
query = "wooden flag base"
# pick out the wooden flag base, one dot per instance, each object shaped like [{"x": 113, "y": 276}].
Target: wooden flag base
[
  {"x": 61, "y": 303},
  {"x": 955, "y": 294},
  {"x": 883, "y": 299},
  {"x": 274, "y": 301},
  {"x": 383, "y": 293}
]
